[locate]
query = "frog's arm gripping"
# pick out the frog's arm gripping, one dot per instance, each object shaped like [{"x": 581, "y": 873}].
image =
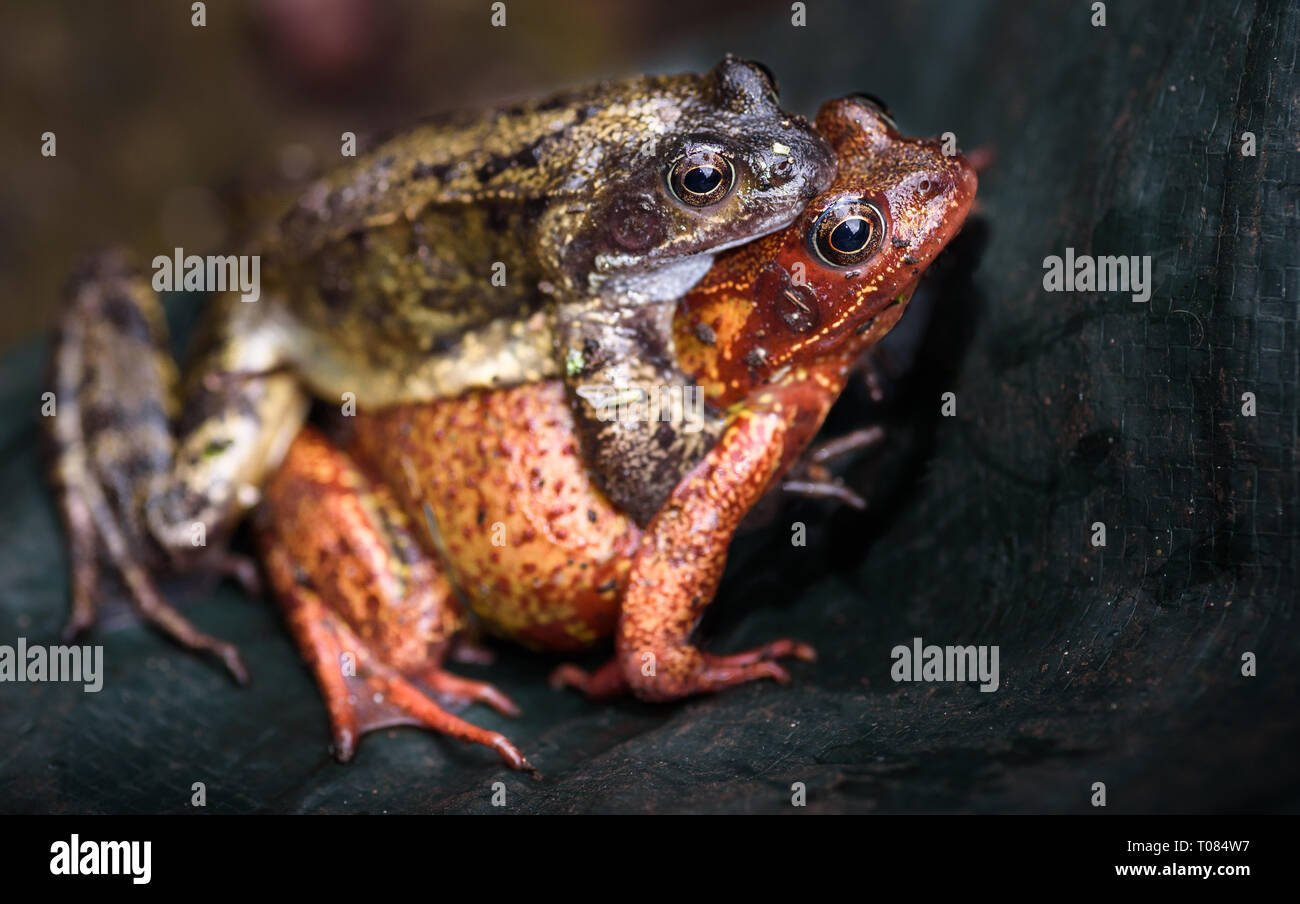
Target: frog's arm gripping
[
  {"x": 677, "y": 569},
  {"x": 373, "y": 613},
  {"x": 123, "y": 488},
  {"x": 619, "y": 352}
]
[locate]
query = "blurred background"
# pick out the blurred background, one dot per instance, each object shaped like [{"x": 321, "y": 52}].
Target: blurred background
[{"x": 1120, "y": 664}]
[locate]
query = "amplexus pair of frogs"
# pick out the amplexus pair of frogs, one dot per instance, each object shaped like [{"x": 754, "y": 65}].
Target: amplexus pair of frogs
[{"x": 657, "y": 231}]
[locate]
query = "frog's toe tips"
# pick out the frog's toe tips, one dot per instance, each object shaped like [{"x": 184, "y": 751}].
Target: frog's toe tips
[
  {"x": 775, "y": 671},
  {"x": 567, "y": 676},
  {"x": 75, "y": 627},
  {"x": 463, "y": 691},
  {"x": 605, "y": 683},
  {"x": 344, "y": 746},
  {"x": 788, "y": 649},
  {"x": 498, "y": 701},
  {"x": 247, "y": 576},
  {"x": 804, "y": 652},
  {"x": 470, "y": 653},
  {"x": 234, "y": 663},
  {"x": 513, "y": 757}
]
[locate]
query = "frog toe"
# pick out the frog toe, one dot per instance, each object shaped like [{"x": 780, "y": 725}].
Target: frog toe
[
  {"x": 464, "y": 649},
  {"x": 459, "y": 691},
  {"x": 784, "y": 648},
  {"x": 363, "y": 694},
  {"x": 94, "y": 525},
  {"x": 374, "y": 615},
  {"x": 243, "y": 570},
  {"x": 158, "y": 612},
  {"x": 685, "y": 671},
  {"x": 605, "y": 683}
]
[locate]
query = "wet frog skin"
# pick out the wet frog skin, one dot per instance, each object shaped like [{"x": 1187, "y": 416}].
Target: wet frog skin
[
  {"x": 378, "y": 283},
  {"x": 489, "y": 497}
]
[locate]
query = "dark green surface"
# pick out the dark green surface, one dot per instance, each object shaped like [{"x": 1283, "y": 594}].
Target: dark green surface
[{"x": 1120, "y": 667}]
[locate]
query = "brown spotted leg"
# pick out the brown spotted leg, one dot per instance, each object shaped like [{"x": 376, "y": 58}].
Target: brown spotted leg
[
  {"x": 373, "y": 613},
  {"x": 110, "y": 438}
]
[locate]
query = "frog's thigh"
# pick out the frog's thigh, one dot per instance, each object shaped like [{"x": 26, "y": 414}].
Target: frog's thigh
[{"x": 372, "y": 613}]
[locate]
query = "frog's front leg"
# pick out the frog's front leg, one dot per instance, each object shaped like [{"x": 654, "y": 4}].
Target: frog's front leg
[
  {"x": 124, "y": 489},
  {"x": 373, "y": 614},
  {"x": 641, "y": 420},
  {"x": 676, "y": 572}
]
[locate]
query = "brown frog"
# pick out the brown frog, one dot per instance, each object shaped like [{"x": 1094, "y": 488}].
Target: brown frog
[{"x": 446, "y": 258}]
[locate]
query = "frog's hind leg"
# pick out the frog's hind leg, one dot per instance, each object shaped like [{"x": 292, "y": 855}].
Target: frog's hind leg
[
  {"x": 110, "y": 438},
  {"x": 373, "y": 613}
]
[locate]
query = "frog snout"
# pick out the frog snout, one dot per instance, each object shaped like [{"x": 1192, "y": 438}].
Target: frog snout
[
  {"x": 967, "y": 182},
  {"x": 954, "y": 186}
]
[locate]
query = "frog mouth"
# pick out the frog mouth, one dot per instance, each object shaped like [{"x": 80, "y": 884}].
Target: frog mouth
[
  {"x": 776, "y": 226},
  {"x": 670, "y": 280},
  {"x": 665, "y": 282}
]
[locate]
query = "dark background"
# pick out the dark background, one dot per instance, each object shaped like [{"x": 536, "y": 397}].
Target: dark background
[{"x": 1119, "y": 665}]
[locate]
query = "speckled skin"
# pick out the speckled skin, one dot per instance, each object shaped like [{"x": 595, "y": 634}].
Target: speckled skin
[
  {"x": 377, "y": 287},
  {"x": 506, "y": 466},
  {"x": 567, "y": 568}
]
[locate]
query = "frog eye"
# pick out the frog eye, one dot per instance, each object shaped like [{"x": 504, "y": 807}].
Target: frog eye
[
  {"x": 848, "y": 233},
  {"x": 701, "y": 178}
]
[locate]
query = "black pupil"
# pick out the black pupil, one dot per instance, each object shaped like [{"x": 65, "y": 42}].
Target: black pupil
[
  {"x": 851, "y": 235},
  {"x": 702, "y": 179}
]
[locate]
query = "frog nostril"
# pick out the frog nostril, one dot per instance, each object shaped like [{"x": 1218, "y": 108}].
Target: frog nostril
[{"x": 930, "y": 187}]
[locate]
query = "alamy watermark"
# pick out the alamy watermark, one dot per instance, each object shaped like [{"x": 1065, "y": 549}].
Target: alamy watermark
[
  {"x": 75, "y": 857},
  {"x": 1106, "y": 273},
  {"x": 634, "y": 404},
  {"x": 37, "y": 662},
  {"x": 920, "y": 662},
  {"x": 214, "y": 273}
]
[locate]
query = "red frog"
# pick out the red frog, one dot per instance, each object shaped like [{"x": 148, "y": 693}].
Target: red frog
[{"x": 485, "y": 499}]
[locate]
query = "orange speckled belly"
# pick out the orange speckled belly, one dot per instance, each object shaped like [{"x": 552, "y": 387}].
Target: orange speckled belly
[{"x": 537, "y": 549}]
